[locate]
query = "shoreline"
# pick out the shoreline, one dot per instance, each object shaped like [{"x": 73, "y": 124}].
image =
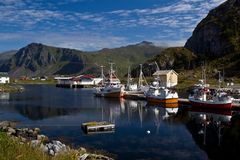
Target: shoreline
[
  {"x": 32, "y": 138},
  {"x": 9, "y": 88}
]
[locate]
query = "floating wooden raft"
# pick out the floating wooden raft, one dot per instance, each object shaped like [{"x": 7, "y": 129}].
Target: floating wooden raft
[{"x": 98, "y": 127}]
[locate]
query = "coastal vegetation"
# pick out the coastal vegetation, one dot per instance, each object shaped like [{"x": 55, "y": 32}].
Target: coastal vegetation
[
  {"x": 28, "y": 144},
  {"x": 10, "y": 88}
]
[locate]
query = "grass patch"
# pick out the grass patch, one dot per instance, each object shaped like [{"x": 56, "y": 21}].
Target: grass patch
[
  {"x": 12, "y": 149},
  {"x": 10, "y": 88}
]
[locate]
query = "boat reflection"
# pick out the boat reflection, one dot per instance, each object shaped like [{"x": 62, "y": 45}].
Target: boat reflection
[
  {"x": 4, "y": 96},
  {"x": 213, "y": 130},
  {"x": 166, "y": 109}
]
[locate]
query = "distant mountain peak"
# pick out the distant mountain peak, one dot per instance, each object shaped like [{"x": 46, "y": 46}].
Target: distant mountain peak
[
  {"x": 34, "y": 44},
  {"x": 145, "y": 43}
]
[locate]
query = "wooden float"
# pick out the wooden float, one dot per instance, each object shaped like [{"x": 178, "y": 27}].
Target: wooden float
[{"x": 98, "y": 127}]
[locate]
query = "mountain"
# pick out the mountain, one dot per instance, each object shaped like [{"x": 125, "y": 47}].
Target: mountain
[
  {"x": 37, "y": 59},
  {"x": 219, "y": 33},
  {"x": 177, "y": 58},
  {"x": 6, "y": 55}
]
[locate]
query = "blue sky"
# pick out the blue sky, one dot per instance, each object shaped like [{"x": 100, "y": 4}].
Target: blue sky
[{"x": 95, "y": 24}]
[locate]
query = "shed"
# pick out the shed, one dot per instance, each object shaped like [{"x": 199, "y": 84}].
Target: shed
[{"x": 169, "y": 78}]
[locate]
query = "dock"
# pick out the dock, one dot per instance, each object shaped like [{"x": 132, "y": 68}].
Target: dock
[{"x": 69, "y": 86}]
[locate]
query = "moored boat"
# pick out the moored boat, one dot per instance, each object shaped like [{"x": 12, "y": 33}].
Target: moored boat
[
  {"x": 111, "y": 87},
  {"x": 158, "y": 93},
  {"x": 135, "y": 89},
  {"x": 202, "y": 97}
]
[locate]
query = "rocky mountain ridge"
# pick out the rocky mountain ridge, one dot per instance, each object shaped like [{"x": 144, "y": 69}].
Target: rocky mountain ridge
[
  {"x": 219, "y": 33},
  {"x": 37, "y": 59}
]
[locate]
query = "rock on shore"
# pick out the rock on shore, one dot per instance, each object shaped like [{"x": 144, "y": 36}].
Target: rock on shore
[{"x": 35, "y": 139}]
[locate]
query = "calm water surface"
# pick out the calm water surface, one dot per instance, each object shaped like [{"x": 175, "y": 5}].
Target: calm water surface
[{"x": 60, "y": 112}]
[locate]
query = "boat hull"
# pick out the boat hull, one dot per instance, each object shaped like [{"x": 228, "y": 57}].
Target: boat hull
[
  {"x": 206, "y": 104},
  {"x": 109, "y": 92},
  {"x": 117, "y": 94},
  {"x": 162, "y": 100}
]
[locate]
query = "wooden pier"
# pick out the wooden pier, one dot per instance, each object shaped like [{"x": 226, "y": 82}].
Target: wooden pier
[{"x": 69, "y": 86}]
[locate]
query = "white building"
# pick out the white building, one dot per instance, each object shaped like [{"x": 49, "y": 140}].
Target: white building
[
  {"x": 4, "y": 78},
  {"x": 168, "y": 78},
  {"x": 84, "y": 80}
]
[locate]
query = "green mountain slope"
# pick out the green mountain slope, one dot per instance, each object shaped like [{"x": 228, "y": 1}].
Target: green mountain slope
[
  {"x": 177, "y": 58},
  {"x": 38, "y": 59}
]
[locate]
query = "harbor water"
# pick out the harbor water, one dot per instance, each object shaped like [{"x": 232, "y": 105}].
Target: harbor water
[{"x": 142, "y": 131}]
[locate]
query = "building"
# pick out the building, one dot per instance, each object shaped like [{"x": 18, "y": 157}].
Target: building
[
  {"x": 4, "y": 78},
  {"x": 168, "y": 78},
  {"x": 77, "y": 81}
]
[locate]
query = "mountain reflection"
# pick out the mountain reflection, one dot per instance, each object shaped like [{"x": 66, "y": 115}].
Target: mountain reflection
[{"x": 216, "y": 132}]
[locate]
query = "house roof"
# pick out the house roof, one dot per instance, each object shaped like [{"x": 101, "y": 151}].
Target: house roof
[
  {"x": 163, "y": 72},
  {"x": 88, "y": 76}
]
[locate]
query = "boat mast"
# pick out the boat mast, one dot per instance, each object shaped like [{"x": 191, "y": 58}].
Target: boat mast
[
  {"x": 140, "y": 77},
  {"x": 205, "y": 79},
  {"x": 158, "y": 77},
  {"x": 111, "y": 72},
  {"x": 102, "y": 75},
  {"x": 204, "y": 76},
  {"x": 219, "y": 79},
  {"x": 129, "y": 76}
]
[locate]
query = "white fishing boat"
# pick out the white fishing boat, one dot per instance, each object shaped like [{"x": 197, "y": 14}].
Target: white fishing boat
[
  {"x": 202, "y": 96},
  {"x": 111, "y": 87},
  {"x": 157, "y": 93}
]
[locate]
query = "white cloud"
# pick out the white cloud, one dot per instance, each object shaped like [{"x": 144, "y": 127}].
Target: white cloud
[
  {"x": 80, "y": 40},
  {"x": 86, "y": 30}
]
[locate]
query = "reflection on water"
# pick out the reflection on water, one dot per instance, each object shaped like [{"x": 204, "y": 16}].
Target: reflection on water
[
  {"x": 218, "y": 133},
  {"x": 60, "y": 112},
  {"x": 4, "y": 97}
]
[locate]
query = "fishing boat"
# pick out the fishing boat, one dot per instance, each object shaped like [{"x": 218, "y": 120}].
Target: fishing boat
[
  {"x": 111, "y": 87},
  {"x": 203, "y": 96},
  {"x": 135, "y": 89},
  {"x": 158, "y": 93}
]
